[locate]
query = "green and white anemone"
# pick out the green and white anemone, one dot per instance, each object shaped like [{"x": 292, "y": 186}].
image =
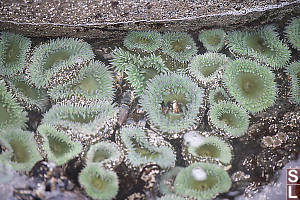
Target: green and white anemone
[
  {"x": 230, "y": 118},
  {"x": 93, "y": 82},
  {"x": 213, "y": 40},
  {"x": 179, "y": 46},
  {"x": 217, "y": 95},
  {"x": 172, "y": 102},
  {"x": 208, "y": 68},
  {"x": 141, "y": 149},
  {"x": 11, "y": 113},
  {"x": 292, "y": 31},
  {"x": 145, "y": 41},
  {"x": 99, "y": 183},
  {"x": 24, "y": 148},
  {"x": 202, "y": 181},
  {"x": 253, "y": 86},
  {"x": 57, "y": 145},
  {"x": 55, "y": 60},
  {"x": 293, "y": 70},
  {"x": 122, "y": 60},
  {"x": 13, "y": 53},
  {"x": 264, "y": 45}
]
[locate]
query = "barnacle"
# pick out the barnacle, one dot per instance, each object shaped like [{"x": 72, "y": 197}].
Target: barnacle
[
  {"x": 99, "y": 183},
  {"x": 172, "y": 102},
  {"x": 24, "y": 148},
  {"x": 93, "y": 82},
  {"x": 263, "y": 45},
  {"x": 11, "y": 113},
  {"x": 166, "y": 185},
  {"x": 13, "y": 53},
  {"x": 57, "y": 145},
  {"x": 216, "y": 95},
  {"x": 171, "y": 197},
  {"x": 179, "y": 46},
  {"x": 202, "y": 181},
  {"x": 27, "y": 94},
  {"x": 253, "y": 86},
  {"x": 147, "y": 41},
  {"x": 206, "y": 147},
  {"x": 213, "y": 40},
  {"x": 292, "y": 31},
  {"x": 208, "y": 68},
  {"x": 51, "y": 61},
  {"x": 293, "y": 70},
  {"x": 142, "y": 149},
  {"x": 229, "y": 117},
  {"x": 122, "y": 60}
]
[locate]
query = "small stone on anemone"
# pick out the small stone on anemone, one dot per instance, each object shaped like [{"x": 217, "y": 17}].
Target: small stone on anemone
[
  {"x": 193, "y": 139},
  {"x": 213, "y": 40},
  {"x": 199, "y": 174}
]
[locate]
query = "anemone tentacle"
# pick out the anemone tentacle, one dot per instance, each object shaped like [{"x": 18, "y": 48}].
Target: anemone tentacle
[
  {"x": 213, "y": 40},
  {"x": 293, "y": 70},
  {"x": 292, "y": 31}
]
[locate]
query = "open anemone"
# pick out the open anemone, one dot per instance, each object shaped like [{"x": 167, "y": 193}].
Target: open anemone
[
  {"x": 252, "y": 86},
  {"x": 229, "y": 117},
  {"x": 11, "y": 113},
  {"x": 13, "y": 53},
  {"x": 93, "y": 82},
  {"x": 58, "y": 147},
  {"x": 208, "y": 68},
  {"x": 54, "y": 62},
  {"x": 292, "y": 31},
  {"x": 147, "y": 41},
  {"x": 27, "y": 94},
  {"x": 172, "y": 102},
  {"x": 293, "y": 70},
  {"x": 23, "y": 146},
  {"x": 202, "y": 181},
  {"x": 179, "y": 46},
  {"x": 217, "y": 95},
  {"x": 141, "y": 148},
  {"x": 213, "y": 40},
  {"x": 99, "y": 183},
  {"x": 166, "y": 185},
  {"x": 104, "y": 153},
  {"x": 198, "y": 147},
  {"x": 263, "y": 45}
]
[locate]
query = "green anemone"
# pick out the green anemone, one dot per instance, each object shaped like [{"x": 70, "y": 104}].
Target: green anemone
[
  {"x": 179, "y": 46},
  {"x": 253, "y": 86},
  {"x": 217, "y": 95},
  {"x": 99, "y": 183},
  {"x": 172, "y": 102},
  {"x": 213, "y": 40},
  {"x": 171, "y": 197},
  {"x": 147, "y": 41},
  {"x": 122, "y": 60},
  {"x": 141, "y": 149},
  {"x": 293, "y": 70},
  {"x": 27, "y": 94},
  {"x": 263, "y": 45},
  {"x": 229, "y": 117},
  {"x": 53, "y": 61},
  {"x": 292, "y": 31},
  {"x": 23, "y": 146},
  {"x": 6, "y": 171},
  {"x": 11, "y": 113},
  {"x": 93, "y": 82},
  {"x": 13, "y": 53},
  {"x": 216, "y": 180},
  {"x": 57, "y": 145},
  {"x": 208, "y": 68}
]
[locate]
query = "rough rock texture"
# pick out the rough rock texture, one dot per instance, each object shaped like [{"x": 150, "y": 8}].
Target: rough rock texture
[{"x": 112, "y": 18}]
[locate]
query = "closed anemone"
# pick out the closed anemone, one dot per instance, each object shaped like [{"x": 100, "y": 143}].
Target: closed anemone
[
  {"x": 140, "y": 150},
  {"x": 13, "y": 53},
  {"x": 93, "y": 82},
  {"x": 11, "y": 113},
  {"x": 50, "y": 61},
  {"x": 172, "y": 102},
  {"x": 213, "y": 40},
  {"x": 179, "y": 46},
  {"x": 253, "y": 86},
  {"x": 188, "y": 185},
  {"x": 147, "y": 41},
  {"x": 263, "y": 45},
  {"x": 293, "y": 70},
  {"x": 22, "y": 143},
  {"x": 292, "y": 31},
  {"x": 99, "y": 183},
  {"x": 57, "y": 145},
  {"x": 230, "y": 118},
  {"x": 217, "y": 95}
]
